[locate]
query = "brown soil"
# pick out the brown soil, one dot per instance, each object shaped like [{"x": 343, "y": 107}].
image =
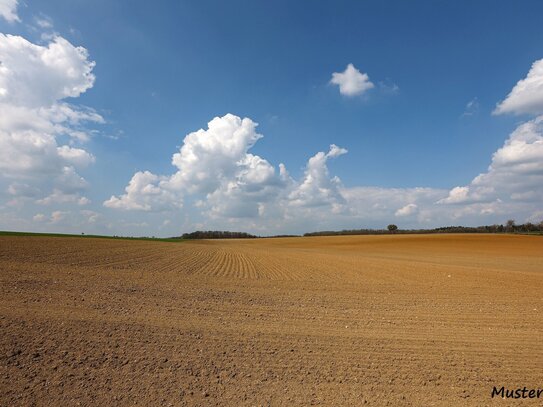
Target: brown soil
[{"x": 420, "y": 320}]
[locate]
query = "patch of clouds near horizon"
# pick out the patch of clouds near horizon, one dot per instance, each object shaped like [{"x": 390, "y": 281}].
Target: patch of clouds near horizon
[
  {"x": 515, "y": 173},
  {"x": 514, "y": 178},
  {"x": 246, "y": 192}
]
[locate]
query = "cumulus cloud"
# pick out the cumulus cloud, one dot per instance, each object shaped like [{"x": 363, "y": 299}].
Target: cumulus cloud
[
  {"x": 215, "y": 167},
  {"x": 75, "y": 156},
  {"x": 59, "y": 197},
  {"x": 317, "y": 188},
  {"x": 209, "y": 157},
  {"x": 456, "y": 195},
  {"x": 351, "y": 82},
  {"x": 515, "y": 173},
  {"x": 34, "y": 81},
  {"x": 246, "y": 193},
  {"x": 407, "y": 210},
  {"x": 37, "y": 76},
  {"x": 146, "y": 192},
  {"x": 527, "y": 95},
  {"x": 214, "y": 162},
  {"x": 8, "y": 10}
]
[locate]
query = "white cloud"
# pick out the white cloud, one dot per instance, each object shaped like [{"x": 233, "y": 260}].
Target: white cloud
[
  {"x": 75, "y": 156},
  {"x": 351, "y": 82},
  {"x": 243, "y": 195},
  {"x": 146, "y": 192},
  {"x": 90, "y": 216},
  {"x": 59, "y": 197},
  {"x": 317, "y": 188},
  {"x": 34, "y": 80},
  {"x": 23, "y": 190},
  {"x": 44, "y": 21},
  {"x": 209, "y": 157},
  {"x": 58, "y": 216},
  {"x": 216, "y": 167},
  {"x": 515, "y": 173},
  {"x": 214, "y": 162},
  {"x": 39, "y": 217},
  {"x": 70, "y": 181},
  {"x": 407, "y": 210},
  {"x": 472, "y": 108},
  {"x": 8, "y": 10},
  {"x": 36, "y": 76},
  {"x": 376, "y": 206},
  {"x": 456, "y": 195},
  {"x": 527, "y": 95}
]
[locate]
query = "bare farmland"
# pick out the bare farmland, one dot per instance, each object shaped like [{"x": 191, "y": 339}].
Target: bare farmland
[{"x": 382, "y": 320}]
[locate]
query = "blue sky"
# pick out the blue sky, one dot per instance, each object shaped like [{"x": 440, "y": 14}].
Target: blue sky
[{"x": 163, "y": 70}]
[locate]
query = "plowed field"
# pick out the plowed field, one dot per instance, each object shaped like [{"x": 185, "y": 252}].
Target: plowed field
[{"x": 418, "y": 320}]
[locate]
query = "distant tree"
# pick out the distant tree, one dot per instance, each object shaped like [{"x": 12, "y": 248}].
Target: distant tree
[
  {"x": 510, "y": 226},
  {"x": 392, "y": 228}
]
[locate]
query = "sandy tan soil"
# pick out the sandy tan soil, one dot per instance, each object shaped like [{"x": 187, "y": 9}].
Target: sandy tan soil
[{"x": 378, "y": 320}]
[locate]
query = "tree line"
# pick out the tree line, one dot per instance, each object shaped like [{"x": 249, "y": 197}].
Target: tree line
[
  {"x": 509, "y": 227},
  {"x": 216, "y": 234}
]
